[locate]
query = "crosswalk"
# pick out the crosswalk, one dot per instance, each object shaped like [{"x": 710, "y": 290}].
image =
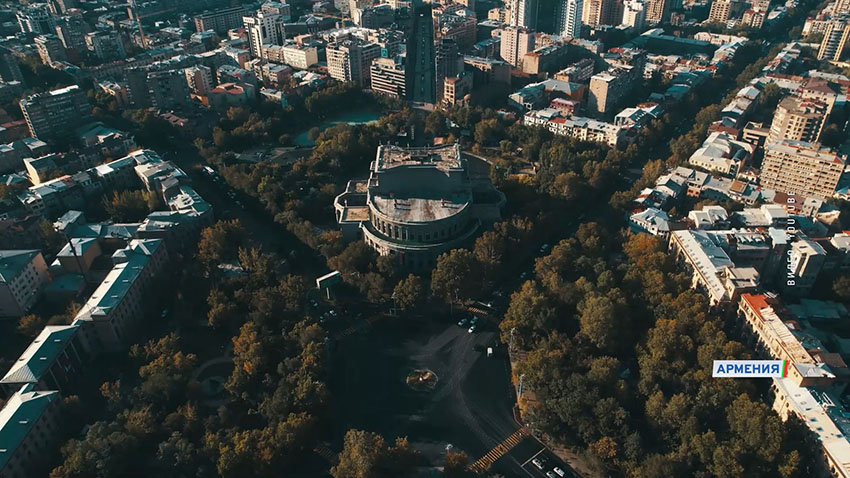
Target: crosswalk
[
  {"x": 485, "y": 461},
  {"x": 323, "y": 451}
]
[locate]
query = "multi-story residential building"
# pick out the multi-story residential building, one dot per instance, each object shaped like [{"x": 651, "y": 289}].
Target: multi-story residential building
[
  {"x": 9, "y": 68},
  {"x": 29, "y": 429},
  {"x": 114, "y": 309},
  {"x": 387, "y": 76},
  {"x": 521, "y": 13},
  {"x": 50, "y": 49},
  {"x": 568, "y": 21},
  {"x": 596, "y": 13},
  {"x": 448, "y": 62},
  {"x": 801, "y": 168},
  {"x": 351, "y": 60},
  {"x": 264, "y": 28},
  {"x": 634, "y": 14},
  {"x": 51, "y": 362},
  {"x": 199, "y": 79},
  {"x": 294, "y": 55},
  {"x": 221, "y": 20},
  {"x": 48, "y": 114},
  {"x": 834, "y": 40},
  {"x": 417, "y": 204},
  {"x": 36, "y": 19},
  {"x": 374, "y": 16},
  {"x": 545, "y": 59},
  {"x": 722, "y": 153},
  {"x": 753, "y": 18},
  {"x": 797, "y": 119},
  {"x": 657, "y": 11},
  {"x": 486, "y": 71},
  {"x": 606, "y": 90},
  {"x": 23, "y": 275},
  {"x": 168, "y": 90},
  {"x": 775, "y": 334},
  {"x": 584, "y": 129},
  {"x": 456, "y": 88},
  {"x": 578, "y": 72},
  {"x": 805, "y": 260},
  {"x": 72, "y": 31},
  {"x": 723, "y": 10},
  {"x": 713, "y": 272},
  {"x": 277, "y": 8},
  {"x": 515, "y": 43},
  {"x": 460, "y": 26},
  {"x": 816, "y": 89},
  {"x": 106, "y": 45}
]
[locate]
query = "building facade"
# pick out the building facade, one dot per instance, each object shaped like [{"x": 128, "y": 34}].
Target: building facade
[
  {"x": 23, "y": 275},
  {"x": 48, "y": 114},
  {"x": 801, "y": 168},
  {"x": 417, "y": 204}
]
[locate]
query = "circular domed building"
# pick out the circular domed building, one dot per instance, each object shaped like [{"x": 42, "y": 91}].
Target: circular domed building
[{"x": 418, "y": 203}]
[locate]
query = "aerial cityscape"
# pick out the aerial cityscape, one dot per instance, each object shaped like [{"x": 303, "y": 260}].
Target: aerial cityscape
[{"x": 402, "y": 239}]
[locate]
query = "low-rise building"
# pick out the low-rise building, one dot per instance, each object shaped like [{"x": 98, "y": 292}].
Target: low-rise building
[
  {"x": 51, "y": 362},
  {"x": 584, "y": 129},
  {"x": 720, "y": 152},
  {"x": 112, "y": 313},
  {"x": 23, "y": 275},
  {"x": 652, "y": 221},
  {"x": 29, "y": 429}
]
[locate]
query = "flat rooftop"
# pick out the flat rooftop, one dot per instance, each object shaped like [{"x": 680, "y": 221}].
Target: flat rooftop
[
  {"x": 420, "y": 209},
  {"x": 442, "y": 157}
]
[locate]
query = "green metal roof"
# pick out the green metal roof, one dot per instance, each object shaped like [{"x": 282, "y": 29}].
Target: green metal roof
[
  {"x": 40, "y": 355},
  {"x": 12, "y": 262},
  {"x": 18, "y": 417}
]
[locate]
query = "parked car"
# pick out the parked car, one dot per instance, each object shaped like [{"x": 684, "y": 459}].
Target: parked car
[
  {"x": 558, "y": 471},
  {"x": 473, "y": 328},
  {"x": 462, "y": 322},
  {"x": 544, "y": 248},
  {"x": 549, "y": 474},
  {"x": 538, "y": 463}
]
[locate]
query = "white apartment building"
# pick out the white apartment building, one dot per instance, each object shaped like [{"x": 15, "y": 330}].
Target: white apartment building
[
  {"x": 584, "y": 129},
  {"x": 634, "y": 14},
  {"x": 23, "y": 274},
  {"x": 300, "y": 56},
  {"x": 802, "y": 168},
  {"x": 264, "y": 28},
  {"x": 569, "y": 18}
]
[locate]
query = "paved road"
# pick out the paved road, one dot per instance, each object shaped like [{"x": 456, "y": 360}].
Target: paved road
[{"x": 470, "y": 407}]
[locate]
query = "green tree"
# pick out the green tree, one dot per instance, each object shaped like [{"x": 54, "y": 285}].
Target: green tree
[
  {"x": 457, "y": 275},
  {"x": 128, "y": 206},
  {"x": 409, "y": 292},
  {"x": 31, "y": 325}
]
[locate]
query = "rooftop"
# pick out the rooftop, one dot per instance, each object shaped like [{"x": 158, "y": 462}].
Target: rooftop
[
  {"x": 40, "y": 355},
  {"x": 443, "y": 158},
  {"x": 20, "y": 414},
  {"x": 12, "y": 262}
]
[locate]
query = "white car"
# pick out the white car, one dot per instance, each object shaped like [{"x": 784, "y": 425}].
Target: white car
[
  {"x": 549, "y": 474},
  {"x": 538, "y": 463},
  {"x": 472, "y": 329},
  {"x": 559, "y": 471}
]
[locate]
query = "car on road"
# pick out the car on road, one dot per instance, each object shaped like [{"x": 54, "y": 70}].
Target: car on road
[
  {"x": 558, "y": 471},
  {"x": 538, "y": 463},
  {"x": 333, "y": 313},
  {"x": 474, "y": 320},
  {"x": 473, "y": 328},
  {"x": 549, "y": 474},
  {"x": 544, "y": 248},
  {"x": 463, "y": 322},
  {"x": 314, "y": 303}
]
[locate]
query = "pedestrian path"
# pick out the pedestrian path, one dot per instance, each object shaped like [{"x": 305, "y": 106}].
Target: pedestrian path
[{"x": 513, "y": 440}]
